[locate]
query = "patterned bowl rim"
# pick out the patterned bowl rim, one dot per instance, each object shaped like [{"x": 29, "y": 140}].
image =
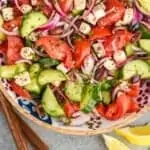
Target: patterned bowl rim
[{"x": 66, "y": 130}]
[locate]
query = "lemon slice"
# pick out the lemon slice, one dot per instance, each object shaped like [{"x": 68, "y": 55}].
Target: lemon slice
[
  {"x": 136, "y": 135},
  {"x": 114, "y": 144}
]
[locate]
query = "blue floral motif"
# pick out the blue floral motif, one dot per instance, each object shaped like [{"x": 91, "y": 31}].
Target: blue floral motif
[{"x": 30, "y": 107}]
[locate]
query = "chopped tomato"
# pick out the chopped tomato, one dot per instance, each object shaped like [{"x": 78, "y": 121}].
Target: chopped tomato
[
  {"x": 116, "y": 11},
  {"x": 4, "y": 47},
  {"x": 70, "y": 108},
  {"x": 117, "y": 109},
  {"x": 14, "y": 46},
  {"x": 46, "y": 10},
  {"x": 66, "y": 5},
  {"x": 99, "y": 32},
  {"x": 134, "y": 90},
  {"x": 134, "y": 107},
  {"x": 56, "y": 49},
  {"x": 20, "y": 90},
  {"x": 117, "y": 41},
  {"x": 82, "y": 50},
  {"x": 9, "y": 25}
]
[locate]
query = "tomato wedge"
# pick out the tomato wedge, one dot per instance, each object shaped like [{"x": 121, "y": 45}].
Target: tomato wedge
[
  {"x": 14, "y": 46},
  {"x": 99, "y": 32},
  {"x": 82, "y": 50},
  {"x": 20, "y": 91},
  {"x": 56, "y": 49},
  {"x": 70, "y": 108},
  {"x": 4, "y": 47},
  {"x": 66, "y": 5},
  {"x": 118, "y": 109},
  {"x": 134, "y": 90},
  {"x": 9, "y": 25},
  {"x": 117, "y": 41},
  {"x": 116, "y": 11}
]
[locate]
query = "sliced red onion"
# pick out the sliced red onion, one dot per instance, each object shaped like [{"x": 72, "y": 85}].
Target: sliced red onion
[
  {"x": 137, "y": 17},
  {"x": 70, "y": 42},
  {"x": 65, "y": 34},
  {"x": 48, "y": 3},
  {"x": 91, "y": 6},
  {"x": 51, "y": 24},
  {"x": 39, "y": 53},
  {"x": 13, "y": 33},
  {"x": 146, "y": 24},
  {"x": 141, "y": 9},
  {"x": 58, "y": 8},
  {"x": 88, "y": 65},
  {"x": 17, "y": 5},
  {"x": 24, "y": 61}
]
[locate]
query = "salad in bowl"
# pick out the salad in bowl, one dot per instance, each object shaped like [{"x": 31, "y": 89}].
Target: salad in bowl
[{"x": 81, "y": 64}]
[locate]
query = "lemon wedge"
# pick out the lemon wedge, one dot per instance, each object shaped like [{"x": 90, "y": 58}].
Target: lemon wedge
[
  {"x": 137, "y": 135},
  {"x": 114, "y": 144}
]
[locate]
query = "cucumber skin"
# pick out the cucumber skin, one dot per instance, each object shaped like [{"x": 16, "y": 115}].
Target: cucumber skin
[
  {"x": 141, "y": 68},
  {"x": 50, "y": 76},
  {"x": 50, "y": 104},
  {"x": 31, "y": 21},
  {"x": 145, "y": 45}
]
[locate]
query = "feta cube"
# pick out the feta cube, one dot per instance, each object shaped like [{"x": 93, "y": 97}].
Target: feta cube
[
  {"x": 110, "y": 65},
  {"x": 25, "y": 8},
  {"x": 129, "y": 14},
  {"x": 62, "y": 68},
  {"x": 34, "y": 2},
  {"x": 85, "y": 28},
  {"x": 99, "y": 50},
  {"x": 91, "y": 19},
  {"x": 80, "y": 4},
  {"x": 119, "y": 56},
  {"x": 23, "y": 79},
  {"x": 99, "y": 11},
  {"x": 8, "y": 13}
]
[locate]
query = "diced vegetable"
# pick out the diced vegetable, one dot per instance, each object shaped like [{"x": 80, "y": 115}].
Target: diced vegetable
[
  {"x": 85, "y": 28},
  {"x": 79, "y": 4},
  {"x": 129, "y": 49},
  {"x": 48, "y": 62},
  {"x": 50, "y": 76},
  {"x": 120, "y": 57},
  {"x": 25, "y": 8},
  {"x": 74, "y": 90},
  {"x": 31, "y": 21},
  {"x": 110, "y": 65},
  {"x": 145, "y": 44},
  {"x": 27, "y": 53},
  {"x": 144, "y": 31},
  {"x": 136, "y": 67},
  {"x": 8, "y": 13},
  {"x": 22, "y": 79},
  {"x": 34, "y": 70},
  {"x": 50, "y": 104}
]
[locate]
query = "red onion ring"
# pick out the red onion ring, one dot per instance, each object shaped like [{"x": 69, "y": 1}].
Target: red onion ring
[
  {"x": 13, "y": 33},
  {"x": 58, "y": 8},
  {"x": 17, "y": 5},
  {"x": 47, "y": 3},
  {"x": 24, "y": 61},
  {"x": 63, "y": 35},
  {"x": 51, "y": 24},
  {"x": 93, "y": 2}
]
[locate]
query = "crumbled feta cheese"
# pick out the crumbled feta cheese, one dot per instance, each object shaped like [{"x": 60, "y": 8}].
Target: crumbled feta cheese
[
  {"x": 62, "y": 68},
  {"x": 124, "y": 86},
  {"x": 27, "y": 53},
  {"x": 85, "y": 28},
  {"x": 99, "y": 50},
  {"x": 91, "y": 19},
  {"x": 120, "y": 56},
  {"x": 128, "y": 16},
  {"x": 99, "y": 11},
  {"x": 23, "y": 79},
  {"x": 110, "y": 65},
  {"x": 25, "y": 8},
  {"x": 80, "y": 4},
  {"x": 8, "y": 13}
]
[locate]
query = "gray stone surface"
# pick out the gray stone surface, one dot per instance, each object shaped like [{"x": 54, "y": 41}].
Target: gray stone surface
[{"x": 58, "y": 141}]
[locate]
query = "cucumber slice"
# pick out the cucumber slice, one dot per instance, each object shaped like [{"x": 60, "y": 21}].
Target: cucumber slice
[
  {"x": 136, "y": 67},
  {"x": 145, "y": 45},
  {"x": 31, "y": 22},
  {"x": 50, "y": 76},
  {"x": 129, "y": 49},
  {"x": 50, "y": 104}
]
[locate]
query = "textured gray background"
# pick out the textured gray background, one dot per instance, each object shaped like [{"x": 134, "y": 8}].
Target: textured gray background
[{"x": 58, "y": 141}]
